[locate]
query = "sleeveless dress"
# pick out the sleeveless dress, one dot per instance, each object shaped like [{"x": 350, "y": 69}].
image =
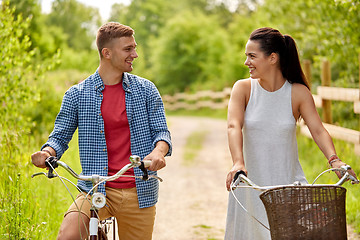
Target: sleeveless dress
[{"x": 271, "y": 158}]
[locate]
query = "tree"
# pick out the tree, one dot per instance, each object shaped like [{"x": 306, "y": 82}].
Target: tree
[
  {"x": 46, "y": 40},
  {"x": 77, "y": 21},
  {"x": 322, "y": 29},
  {"x": 191, "y": 55}
]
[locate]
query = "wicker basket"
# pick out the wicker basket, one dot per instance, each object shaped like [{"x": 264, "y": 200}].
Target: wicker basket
[{"x": 306, "y": 212}]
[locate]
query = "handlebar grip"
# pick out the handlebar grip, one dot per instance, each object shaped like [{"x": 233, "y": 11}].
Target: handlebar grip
[
  {"x": 51, "y": 163},
  {"x": 147, "y": 163},
  {"x": 238, "y": 173},
  {"x": 353, "y": 179},
  {"x": 144, "y": 170}
]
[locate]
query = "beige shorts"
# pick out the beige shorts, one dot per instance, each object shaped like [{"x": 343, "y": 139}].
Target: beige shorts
[{"x": 133, "y": 222}]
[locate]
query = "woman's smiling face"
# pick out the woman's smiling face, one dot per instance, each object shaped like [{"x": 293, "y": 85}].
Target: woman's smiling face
[{"x": 256, "y": 60}]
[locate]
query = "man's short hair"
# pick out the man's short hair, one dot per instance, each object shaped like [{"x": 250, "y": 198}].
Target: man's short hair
[{"x": 110, "y": 31}]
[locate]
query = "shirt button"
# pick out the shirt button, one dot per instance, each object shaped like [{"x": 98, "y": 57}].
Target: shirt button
[
  {"x": 104, "y": 150},
  {"x": 104, "y": 168},
  {"x": 100, "y": 95},
  {"x": 99, "y": 114},
  {"x": 101, "y": 131}
]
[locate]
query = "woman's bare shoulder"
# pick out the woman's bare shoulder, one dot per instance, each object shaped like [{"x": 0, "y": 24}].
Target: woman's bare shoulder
[
  {"x": 241, "y": 91},
  {"x": 242, "y": 84},
  {"x": 300, "y": 89},
  {"x": 301, "y": 94}
]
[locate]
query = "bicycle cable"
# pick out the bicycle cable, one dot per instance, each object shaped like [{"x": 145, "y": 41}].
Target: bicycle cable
[
  {"x": 73, "y": 199},
  {"x": 237, "y": 200}
]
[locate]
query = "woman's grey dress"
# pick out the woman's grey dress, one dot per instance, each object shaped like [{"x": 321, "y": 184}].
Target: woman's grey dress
[{"x": 271, "y": 158}]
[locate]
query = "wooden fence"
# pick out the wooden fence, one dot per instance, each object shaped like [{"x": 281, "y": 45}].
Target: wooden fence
[
  {"x": 325, "y": 94},
  {"x": 198, "y": 100}
]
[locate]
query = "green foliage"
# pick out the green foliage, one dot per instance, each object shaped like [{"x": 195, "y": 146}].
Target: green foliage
[
  {"x": 33, "y": 208},
  {"x": 18, "y": 79},
  {"x": 50, "y": 90},
  {"x": 81, "y": 60},
  {"x": 45, "y": 40},
  {"x": 17, "y": 73},
  {"x": 322, "y": 29},
  {"x": 77, "y": 21},
  {"x": 189, "y": 55}
]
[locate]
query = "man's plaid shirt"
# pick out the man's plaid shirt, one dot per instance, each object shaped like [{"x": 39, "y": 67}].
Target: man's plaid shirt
[{"x": 81, "y": 109}]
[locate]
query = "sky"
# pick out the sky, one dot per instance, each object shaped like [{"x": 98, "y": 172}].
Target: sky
[{"x": 104, "y": 6}]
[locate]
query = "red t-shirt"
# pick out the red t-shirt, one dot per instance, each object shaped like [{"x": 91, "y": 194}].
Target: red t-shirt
[{"x": 117, "y": 134}]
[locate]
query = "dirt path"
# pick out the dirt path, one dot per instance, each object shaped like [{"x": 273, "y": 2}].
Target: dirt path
[{"x": 193, "y": 198}]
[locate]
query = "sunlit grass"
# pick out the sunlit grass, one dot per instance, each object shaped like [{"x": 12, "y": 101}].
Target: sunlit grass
[
  {"x": 194, "y": 144},
  {"x": 33, "y": 208}
]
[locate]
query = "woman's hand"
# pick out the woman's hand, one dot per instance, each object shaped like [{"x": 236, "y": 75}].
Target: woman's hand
[
  {"x": 232, "y": 172},
  {"x": 337, "y": 163}
]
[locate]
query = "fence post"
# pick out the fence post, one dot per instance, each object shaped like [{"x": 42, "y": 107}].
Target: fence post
[
  {"x": 326, "y": 81},
  {"x": 307, "y": 71}
]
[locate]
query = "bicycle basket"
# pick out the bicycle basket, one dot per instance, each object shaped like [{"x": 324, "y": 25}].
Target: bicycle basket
[{"x": 306, "y": 212}]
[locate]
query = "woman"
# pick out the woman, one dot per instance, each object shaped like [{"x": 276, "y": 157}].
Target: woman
[{"x": 262, "y": 115}]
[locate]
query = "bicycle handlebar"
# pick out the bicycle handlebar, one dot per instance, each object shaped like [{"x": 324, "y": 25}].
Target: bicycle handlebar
[
  {"x": 53, "y": 162},
  {"x": 240, "y": 176}
]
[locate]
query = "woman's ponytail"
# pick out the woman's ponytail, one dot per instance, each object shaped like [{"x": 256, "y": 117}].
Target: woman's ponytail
[
  {"x": 271, "y": 40},
  {"x": 293, "y": 71}
]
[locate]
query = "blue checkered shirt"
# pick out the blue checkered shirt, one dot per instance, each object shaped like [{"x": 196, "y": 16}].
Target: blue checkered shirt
[{"x": 81, "y": 109}]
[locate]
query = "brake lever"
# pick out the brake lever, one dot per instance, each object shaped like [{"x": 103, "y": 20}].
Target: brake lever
[
  {"x": 237, "y": 174},
  {"x": 51, "y": 163},
  {"x": 237, "y": 179},
  {"x": 145, "y": 176},
  {"x": 156, "y": 177},
  {"x": 42, "y": 173}
]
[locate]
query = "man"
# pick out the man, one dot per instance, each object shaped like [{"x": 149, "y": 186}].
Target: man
[{"x": 117, "y": 114}]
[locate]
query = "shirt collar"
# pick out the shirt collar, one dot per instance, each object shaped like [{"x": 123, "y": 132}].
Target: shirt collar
[
  {"x": 126, "y": 82},
  {"x": 99, "y": 84}
]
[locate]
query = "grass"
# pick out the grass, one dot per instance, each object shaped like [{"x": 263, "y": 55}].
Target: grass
[
  {"x": 194, "y": 144},
  {"x": 33, "y": 208}
]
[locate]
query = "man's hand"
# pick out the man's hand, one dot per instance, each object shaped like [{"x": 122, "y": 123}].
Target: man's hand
[
  {"x": 38, "y": 158},
  {"x": 157, "y": 156}
]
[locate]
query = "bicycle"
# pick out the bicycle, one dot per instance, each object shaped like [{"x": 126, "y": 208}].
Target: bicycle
[
  {"x": 98, "y": 230},
  {"x": 302, "y": 211}
]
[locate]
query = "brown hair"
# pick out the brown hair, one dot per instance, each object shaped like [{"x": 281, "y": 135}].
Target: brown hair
[
  {"x": 272, "y": 41},
  {"x": 110, "y": 31}
]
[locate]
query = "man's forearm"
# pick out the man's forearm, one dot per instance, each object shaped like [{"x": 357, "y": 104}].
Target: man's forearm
[
  {"x": 49, "y": 150},
  {"x": 162, "y": 147}
]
